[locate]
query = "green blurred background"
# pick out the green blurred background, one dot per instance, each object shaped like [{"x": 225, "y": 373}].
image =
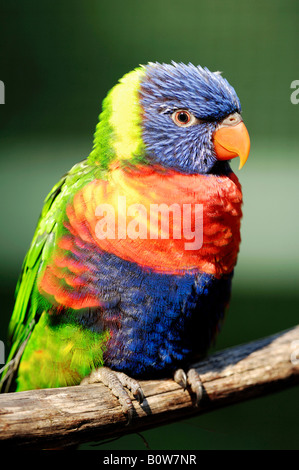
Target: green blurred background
[{"x": 57, "y": 61}]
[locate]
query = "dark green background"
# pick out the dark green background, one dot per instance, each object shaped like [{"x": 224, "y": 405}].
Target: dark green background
[{"x": 59, "y": 58}]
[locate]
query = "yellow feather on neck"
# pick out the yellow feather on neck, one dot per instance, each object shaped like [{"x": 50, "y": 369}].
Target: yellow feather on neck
[{"x": 126, "y": 115}]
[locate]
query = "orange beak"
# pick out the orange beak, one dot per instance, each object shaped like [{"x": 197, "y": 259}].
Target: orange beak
[{"x": 231, "y": 142}]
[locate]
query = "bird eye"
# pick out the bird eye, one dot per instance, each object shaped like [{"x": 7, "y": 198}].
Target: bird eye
[{"x": 183, "y": 118}]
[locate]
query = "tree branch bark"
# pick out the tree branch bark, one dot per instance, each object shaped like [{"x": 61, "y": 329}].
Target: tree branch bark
[{"x": 66, "y": 416}]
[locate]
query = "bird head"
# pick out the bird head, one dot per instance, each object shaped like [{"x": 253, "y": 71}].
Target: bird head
[{"x": 178, "y": 116}]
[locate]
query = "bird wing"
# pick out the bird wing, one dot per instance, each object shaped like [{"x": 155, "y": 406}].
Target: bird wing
[{"x": 28, "y": 307}]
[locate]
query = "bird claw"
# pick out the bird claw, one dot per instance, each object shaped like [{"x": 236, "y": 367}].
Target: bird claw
[
  {"x": 116, "y": 381},
  {"x": 191, "y": 379},
  {"x": 180, "y": 378},
  {"x": 133, "y": 385},
  {"x": 140, "y": 396},
  {"x": 195, "y": 383}
]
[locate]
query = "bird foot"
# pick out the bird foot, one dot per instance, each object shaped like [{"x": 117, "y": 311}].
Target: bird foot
[
  {"x": 191, "y": 379},
  {"x": 116, "y": 381}
]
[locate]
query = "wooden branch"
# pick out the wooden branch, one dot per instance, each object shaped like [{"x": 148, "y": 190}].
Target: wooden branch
[{"x": 73, "y": 415}]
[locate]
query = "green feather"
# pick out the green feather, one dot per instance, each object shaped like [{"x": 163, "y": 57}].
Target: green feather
[
  {"x": 118, "y": 136},
  {"x": 62, "y": 353},
  {"x": 29, "y": 304}
]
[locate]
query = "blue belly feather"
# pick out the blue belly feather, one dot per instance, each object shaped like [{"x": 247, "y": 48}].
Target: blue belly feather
[
  {"x": 157, "y": 322},
  {"x": 160, "y": 321}
]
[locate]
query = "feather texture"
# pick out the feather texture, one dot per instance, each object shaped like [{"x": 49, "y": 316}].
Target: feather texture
[{"x": 113, "y": 275}]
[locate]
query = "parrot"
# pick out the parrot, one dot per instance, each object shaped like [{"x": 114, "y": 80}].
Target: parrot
[{"x": 129, "y": 273}]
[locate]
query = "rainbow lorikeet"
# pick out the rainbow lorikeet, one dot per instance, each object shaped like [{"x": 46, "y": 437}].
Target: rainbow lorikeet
[{"x": 129, "y": 272}]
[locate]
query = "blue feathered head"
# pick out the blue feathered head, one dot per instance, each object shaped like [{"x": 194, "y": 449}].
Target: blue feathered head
[
  {"x": 182, "y": 107},
  {"x": 175, "y": 115}
]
